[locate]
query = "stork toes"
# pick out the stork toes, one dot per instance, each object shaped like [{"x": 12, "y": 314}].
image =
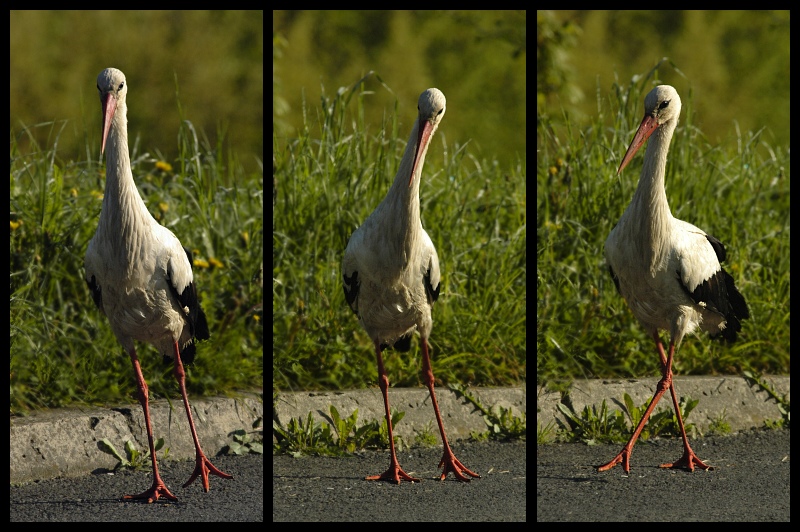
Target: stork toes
[
  {"x": 157, "y": 490},
  {"x": 689, "y": 461},
  {"x": 451, "y": 463},
  {"x": 202, "y": 469},
  {"x": 394, "y": 475},
  {"x": 623, "y": 457}
]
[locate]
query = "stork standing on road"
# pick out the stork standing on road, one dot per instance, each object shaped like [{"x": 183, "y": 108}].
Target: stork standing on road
[
  {"x": 391, "y": 276},
  {"x": 141, "y": 277},
  {"x": 666, "y": 269}
]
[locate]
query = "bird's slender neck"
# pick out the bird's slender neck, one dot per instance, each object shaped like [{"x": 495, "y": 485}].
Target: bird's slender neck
[
  {"x": 650, "y": 199},
  {"x": 124, "y": 211},
  {"x": 401, "y": 204}
]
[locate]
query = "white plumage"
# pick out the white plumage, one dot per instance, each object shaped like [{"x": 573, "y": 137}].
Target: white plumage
[
  {"x": 140, "y": 275},
  {"x": 668, "y": 270},
  {"x": 391, "y": 274}
]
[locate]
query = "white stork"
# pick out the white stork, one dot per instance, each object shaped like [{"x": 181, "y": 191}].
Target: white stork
[
  {"x": 668, "y": 270},
  {"x": 141, "y": 277},
  {"x": 391, "y": 275}
]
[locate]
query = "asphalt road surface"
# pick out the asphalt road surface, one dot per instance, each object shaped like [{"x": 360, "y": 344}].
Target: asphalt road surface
[
  {"x": 96, "y": 498},
  {"x": 334, "y": 489},
  {"x": 750, "y": 481}
]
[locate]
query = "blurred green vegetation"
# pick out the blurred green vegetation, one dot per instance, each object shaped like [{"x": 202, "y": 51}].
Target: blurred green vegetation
[
  {"x": 201, "y": 66},
  {"x": 476, "y": 58},
  {"x": 735, "y": 63}
]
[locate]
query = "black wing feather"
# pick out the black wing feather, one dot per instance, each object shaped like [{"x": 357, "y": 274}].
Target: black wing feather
[
  {"x": 97, "y": 293},
  {"x": 719, "y": 294},
  {"x": 198, "y": 325}
]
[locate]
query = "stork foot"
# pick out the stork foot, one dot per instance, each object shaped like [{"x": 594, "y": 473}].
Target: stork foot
[
  {"x": 689, "y": 461},
  {"x": 394, "y": 475},
  {"x": 202, "y": 469},
  {"x": 452, "y": 464},
  {"x": 158, "y": 489},
  {"x": 624, "y": 457}
]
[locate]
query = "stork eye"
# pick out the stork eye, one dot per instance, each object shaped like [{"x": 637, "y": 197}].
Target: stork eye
[
  {"x": 664, "y": 104},
  {"x": 120, "y": 86}
]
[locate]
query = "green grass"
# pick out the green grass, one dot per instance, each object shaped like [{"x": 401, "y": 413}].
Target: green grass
[
  {"x": 328, "y": 179},
  {"x": 62, "y": 350},
  {"x": 597, "y": 424},
  {"x": 735, "y": 189},
  {"x": 342, "y": 435}
]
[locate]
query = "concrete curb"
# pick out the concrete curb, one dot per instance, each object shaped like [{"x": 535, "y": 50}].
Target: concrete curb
[
  {"x": 459, "y": 417},
  {"x": 729, "y": 398},
  {"x": 64, "y": 442}
]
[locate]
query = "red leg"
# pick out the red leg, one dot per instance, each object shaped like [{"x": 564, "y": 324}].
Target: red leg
[
  {"x": 449, "y": 461},
  {"x": 394, "y": 473},
  {"x": 203, "y": 465},
  {"x": 689, "y": 460},
  {"x": 665, "y": 383},
  {"x": 158, "y": 489}
]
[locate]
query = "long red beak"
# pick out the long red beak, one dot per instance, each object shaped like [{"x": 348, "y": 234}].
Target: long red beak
[
  {"x": 109, "y": 106},
  {"x": 423, "y": 138},
  {"x": 646, "y": 128}
]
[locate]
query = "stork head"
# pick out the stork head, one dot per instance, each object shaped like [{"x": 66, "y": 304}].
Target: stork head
[
  {"x": 112, "y": 87},
  {"x": 661, "y": 105},
  {"x": 432, "y": 105}
]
